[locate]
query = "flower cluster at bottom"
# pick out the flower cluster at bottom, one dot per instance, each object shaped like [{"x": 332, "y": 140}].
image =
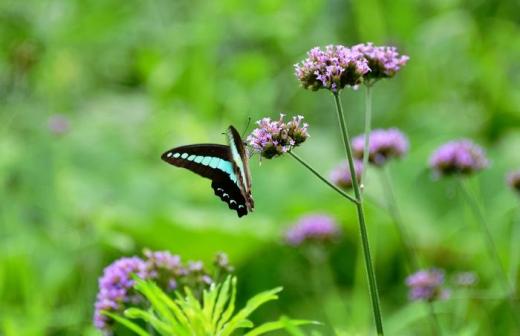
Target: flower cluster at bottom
[{"x": 116, "y": 292}]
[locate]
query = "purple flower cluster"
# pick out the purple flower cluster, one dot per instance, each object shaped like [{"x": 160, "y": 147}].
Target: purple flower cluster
[
  {"x": 274, "y": 138},
  {"x": 312, "y": 228},
  {"x": 333, "y": 68},
  {"x": 458, "y": 157},
  {"x": 115, "y": 288},
  {"x": 341, "y": 176},
  {"x": 513, "y": 180},
  {"x": 383, "y": 61},
  {"x": 427, "y": 285},
  {"x": 383, "y": 145},
  {"x": 116, "y": 291}
]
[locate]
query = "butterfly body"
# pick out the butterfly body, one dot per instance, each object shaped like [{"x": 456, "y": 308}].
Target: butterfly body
[{"x": 226, "y": 166}]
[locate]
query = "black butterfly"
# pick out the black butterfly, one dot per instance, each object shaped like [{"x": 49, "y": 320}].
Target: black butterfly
[{"x": 226, "y": 166}]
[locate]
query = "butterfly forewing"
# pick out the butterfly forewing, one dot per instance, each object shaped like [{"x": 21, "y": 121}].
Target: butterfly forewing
[
  {"x": 240, "y": 161},
  {"x": 214, "y": 162}
]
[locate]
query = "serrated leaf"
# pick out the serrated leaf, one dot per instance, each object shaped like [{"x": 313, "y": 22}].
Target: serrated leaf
[
  {"x": 277, "y": 325},
  {"x": 127, "y": 323}
]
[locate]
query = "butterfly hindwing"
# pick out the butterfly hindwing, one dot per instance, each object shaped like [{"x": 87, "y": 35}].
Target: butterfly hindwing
[{"x": 214, "y": 162}]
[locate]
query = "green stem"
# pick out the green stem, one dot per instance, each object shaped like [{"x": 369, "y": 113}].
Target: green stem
[
  {"x": 411, "y": 255},
  {"x": 372, "y": 284},
  {"x": 368, "y": 126},
  {"x": 492, "y": 249},
  {"x": 393, "y": 209},
  {"x": 318, "y": 175}
]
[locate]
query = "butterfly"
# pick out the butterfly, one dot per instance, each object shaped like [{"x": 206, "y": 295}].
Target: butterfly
[{"x": 226, "y": 166}]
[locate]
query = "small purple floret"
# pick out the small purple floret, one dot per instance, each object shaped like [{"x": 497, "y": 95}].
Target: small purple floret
[
  {"x": 427, "y": 285},
  {"x": 383, "y": 145},
  {"x": 274, "y": 138},
  {"x": 312, "y": 228},
  {"x": 332, "y": 69},
  {"x": 458, "y": 157},
  {"x": 341, "y": 176},
  {"x": 383, "y": 61}
]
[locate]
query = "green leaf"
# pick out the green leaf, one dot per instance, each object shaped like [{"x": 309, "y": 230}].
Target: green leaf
[
  {"x": 162, "y": 327},
  {"x": 251, "y": 305},
  {"x": 127, "y": 323},
  {"x": 283, "y": 323},
  {"x": 149, "y": 290},
  {"x": 231, "y": 305}
]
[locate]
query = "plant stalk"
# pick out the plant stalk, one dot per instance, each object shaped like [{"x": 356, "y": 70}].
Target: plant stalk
[
  {"x": 372, "y": 283},
  {"x": 318, "y": 175},
  {"x": 411, "y": 255},
  {"x": 368, "y": 128},
  {"x": 492, "y": 250}
]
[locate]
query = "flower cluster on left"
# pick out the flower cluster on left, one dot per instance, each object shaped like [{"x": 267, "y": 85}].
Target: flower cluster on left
[{"x": 116, "y": 285}]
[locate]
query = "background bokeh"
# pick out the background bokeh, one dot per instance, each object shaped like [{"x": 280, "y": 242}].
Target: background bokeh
[{"x": 92, "y": 92}]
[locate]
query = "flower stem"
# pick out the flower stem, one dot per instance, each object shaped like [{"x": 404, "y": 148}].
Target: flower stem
[
  {"x": 492, "y": 249},
  {"x": 368, "y": 126},
  {"x": 318, "y": 175},
  {"x": 411, "y": 255},
  {"x": 372, "y": 284},
  {"x": 393, "y": 209}
]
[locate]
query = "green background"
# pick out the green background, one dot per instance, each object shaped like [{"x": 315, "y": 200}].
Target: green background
[{"x": 135, "y": 78}]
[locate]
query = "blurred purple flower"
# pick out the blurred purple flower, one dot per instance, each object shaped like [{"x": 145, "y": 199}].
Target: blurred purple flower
[
  {"x": 274, "y": 138},
  {"x": 383, "y": 145},
  {"x": 383, "y": 61},
  {"x": 115, "y": 288},
  {"x": 312, "y": 228},
  {"x": 333, "y": 68},
  {"x": 341, "y": 176},
  {"x": 58, "y": 124},
  {"x": 458, "y": 157},
  {"x": 513, "y": 180},
  {"x": 466, "y": 279},
  {"x": 427, "y": 285}
]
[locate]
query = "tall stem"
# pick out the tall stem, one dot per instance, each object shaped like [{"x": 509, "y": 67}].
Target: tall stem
[
  {"x": 393, "y": 209},
  {"x": 368, "y": 126},
  {"x": 318, "y": 175},
  {"x": 492, "y": 250},
  {"x": 411, "y": 255},
  {"x": 372, "y": 284}
]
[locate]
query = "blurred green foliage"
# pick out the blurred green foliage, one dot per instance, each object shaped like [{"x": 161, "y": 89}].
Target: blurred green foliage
[{"x": 135, "y": 78}]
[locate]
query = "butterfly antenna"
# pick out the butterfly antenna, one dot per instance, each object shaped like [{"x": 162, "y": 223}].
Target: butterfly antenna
[{"x": 247, "y": 127}]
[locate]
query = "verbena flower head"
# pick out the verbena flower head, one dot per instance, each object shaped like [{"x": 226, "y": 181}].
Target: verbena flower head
[
  {"x": 427, "y": 285},
  {"x": 116, "y": 285},
  {"x": 333, "y": 68},
  {"x": 312, "y": 228},
  {"x": 458, "y": 157},
  {"x": 513, "y": 180},
  {"x": 115, "y": 288},
  {"x": 273, "y": 138},
  {"x": 383, "y": 145},
  {"x": 383, "y": 61},
  {"x": 466, "y": 279},
  {"x": 341, "y": 176}
]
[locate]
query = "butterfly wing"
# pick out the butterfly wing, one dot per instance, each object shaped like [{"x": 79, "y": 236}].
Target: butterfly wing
[
  {"x": 211, "y": 161},
  {"x": 240, "y": 160}
]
